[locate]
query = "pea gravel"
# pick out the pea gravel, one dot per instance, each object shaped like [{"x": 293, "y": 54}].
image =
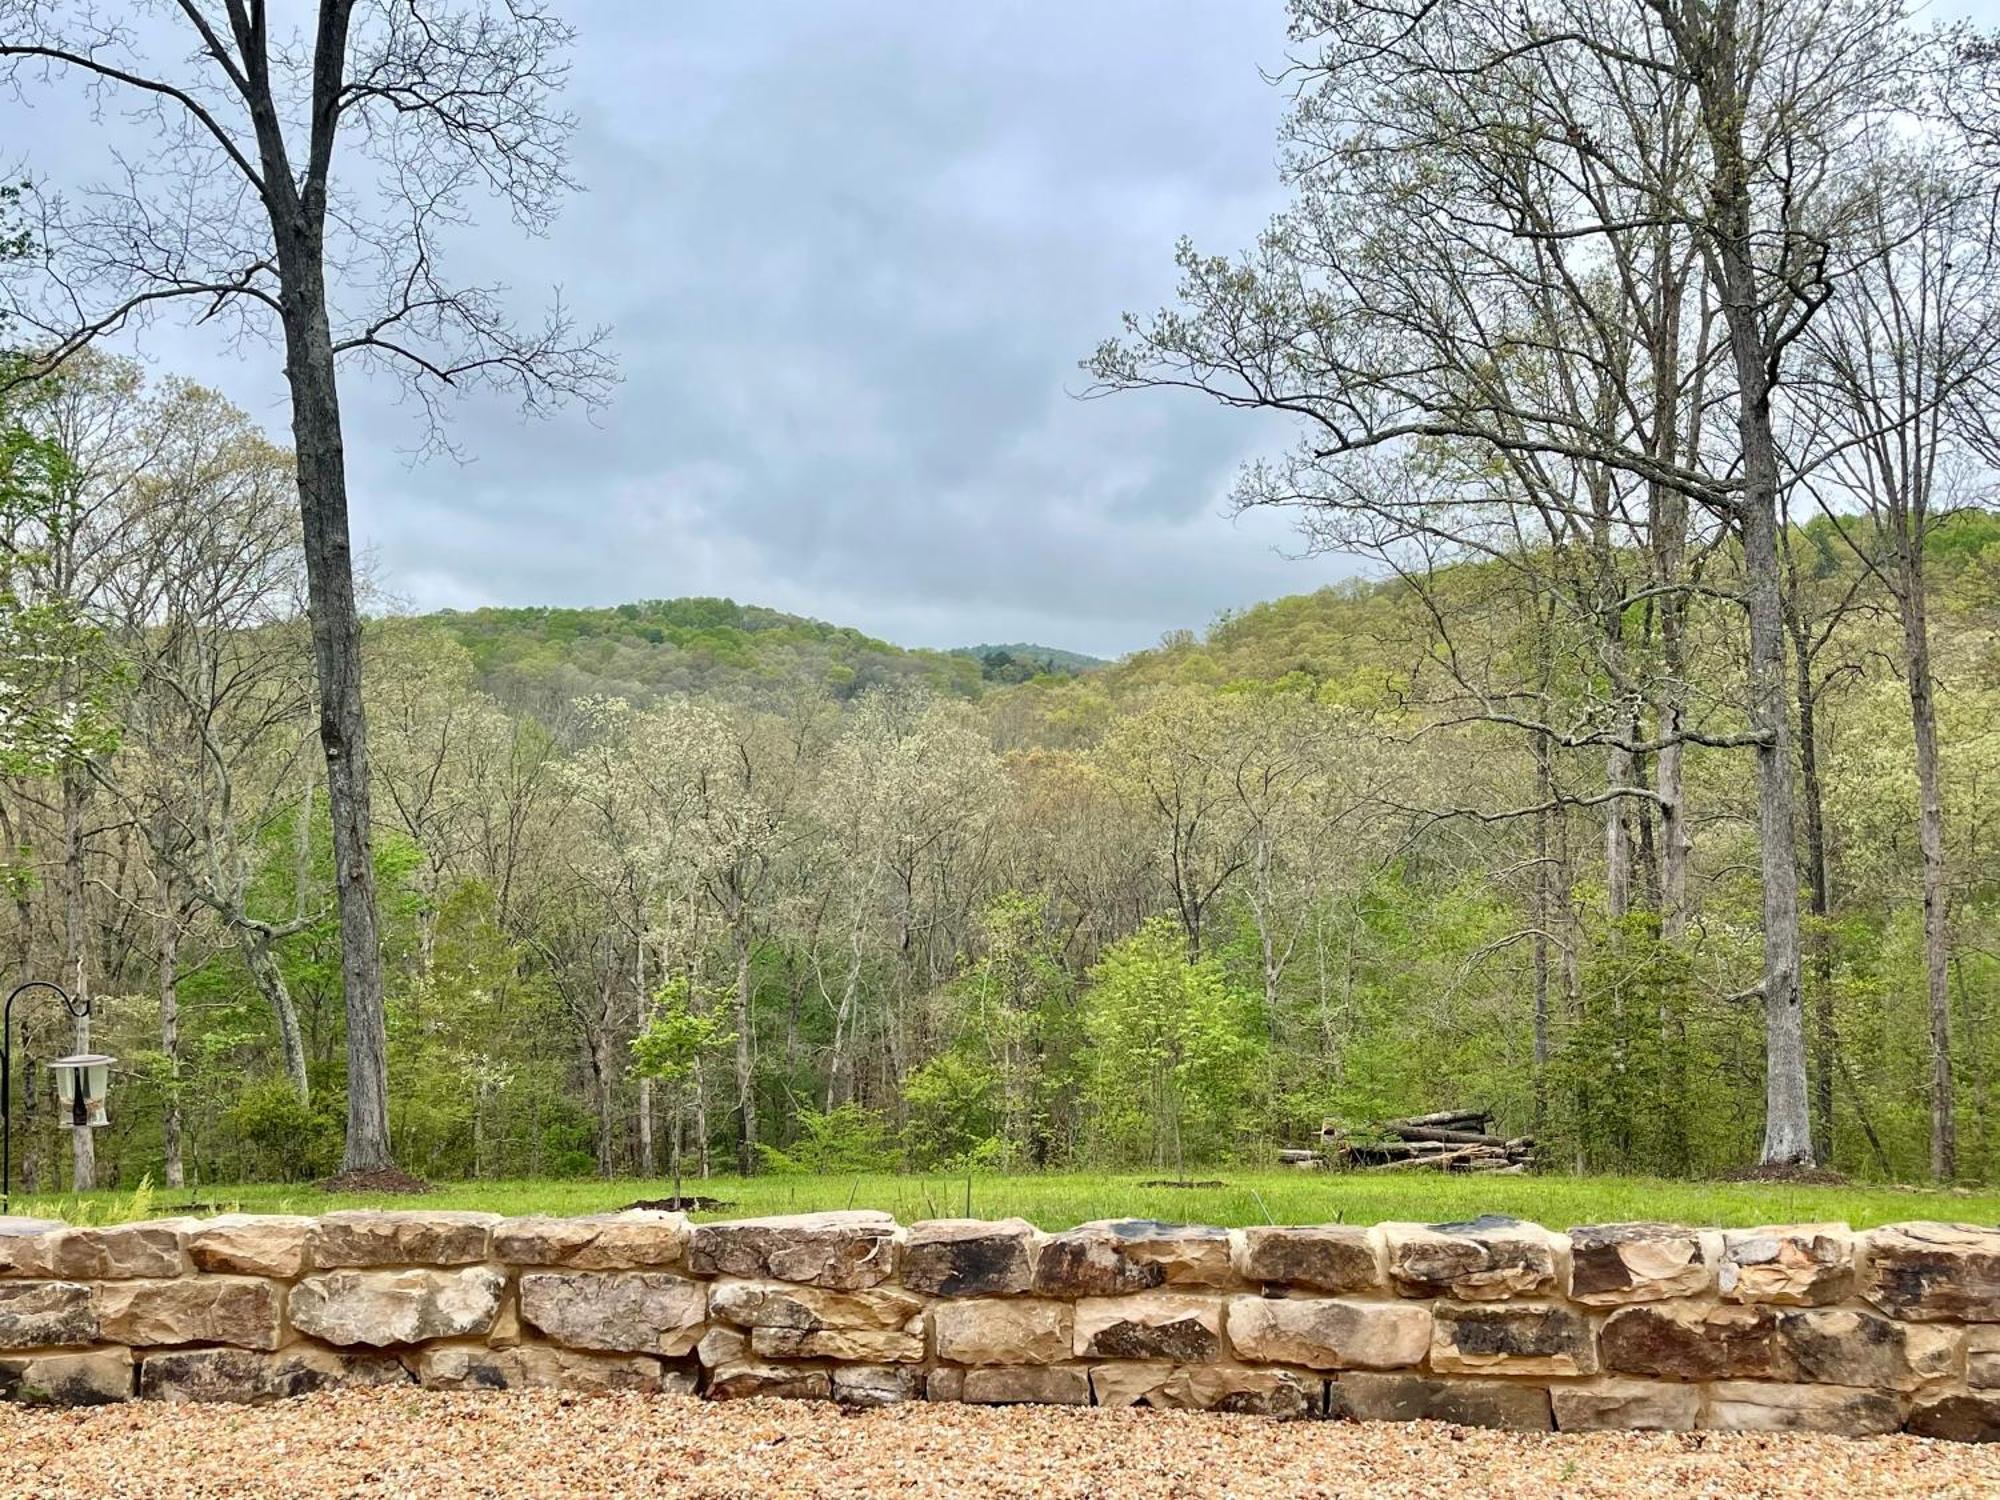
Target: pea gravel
[{"x": 534, "y": 1443}]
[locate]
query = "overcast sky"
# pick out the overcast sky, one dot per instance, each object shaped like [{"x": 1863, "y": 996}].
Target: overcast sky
[{"x": 851, "y": 252}]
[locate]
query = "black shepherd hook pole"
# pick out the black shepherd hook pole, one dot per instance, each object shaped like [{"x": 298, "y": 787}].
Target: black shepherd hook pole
[{"x": 77, "y": 1009}]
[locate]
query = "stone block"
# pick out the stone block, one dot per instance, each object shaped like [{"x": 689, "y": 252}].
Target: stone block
[
  {"x": 93, "y": 1379},
  {"x": 1802, "y": 1265},
  {"x": 1001, "y": 1331},
  {"x": 249, "y": 1244},
  {"x": 843, "y": 1250},
  {"x": 1771, "y": 1406},
  {"x": 877, "y": 1385},
  {"x": 1325, "y": 1333},
  {"x": 21, "y": 1244},
  {"x": 722, "y": 1345},
  {"x": 1485, "y": 1259},
  {"x": 777, "y": 1304},
  {"x": 1957, "y": 1418},
  {"x": 1036, "y": 1385},
  {"x": 1934, "y": 1272},
  {"x": 1614, "y": 1405},
  {"x": 1507, "y": 1404},
  {"x": 1316, "y": 1257},
  {"x": 1511, "y": 1338},
  {"x": 458, "y": 1367},
  {"x": 1612, "y": 1264},
  {"x": 944, "y": 1383},
  {"x": 1283, "y": 1394},
  {"x": 1841, "y": 1346},
  {"x": 866, "y": 1345},
  {"x": 243, "y": 1310},
  {"x": 1150, "y": 1325},
  {"x": 734, "y": 1382},
  {"x": 627, "y": 1312},
  {"x": 46, "y": 1314},
  {"x": 1692, "y": 1343},
  {"x": 1109, "y": 1257},
  {"x": 634, "y": 1240},
  {"x": 1982, "y": 1358},
  {"x": 402, "y": 1237},
  {"x": 969, "y": 1257},
  {"x": 396, "y": 1307},
  {"x": 247, "y": 1375},
  {"x": 112, "y": 1252}
]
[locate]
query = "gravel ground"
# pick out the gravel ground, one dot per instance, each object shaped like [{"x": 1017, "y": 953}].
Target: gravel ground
[{"x": 523, "y": 1444}]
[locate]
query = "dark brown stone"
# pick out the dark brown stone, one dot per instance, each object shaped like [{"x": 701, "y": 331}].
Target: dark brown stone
[
  {"x": 95, "y": 1378},
  {"x": 1692, "y": 1343},
  {"x": 1843, "y": 1346},
  {"x": 1150, "y": 1325},
  {"x": 45, "y": 1314},
  {"x": 1511, "y": 1338},
  {"x": 969, "y": 1257},
  {"x": 1959, "y": 1419},
  {"x": 844, "y": 1250},
  {"x": 247, "y": 1375},
  {"x": 1487, "y": 1259},
  {"x": 1114, "y": 1256},
  {"x": 1321, "y": 1257}
]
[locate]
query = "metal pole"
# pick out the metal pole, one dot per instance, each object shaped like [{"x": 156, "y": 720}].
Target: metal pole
[{"x": 7, "y": 1077}]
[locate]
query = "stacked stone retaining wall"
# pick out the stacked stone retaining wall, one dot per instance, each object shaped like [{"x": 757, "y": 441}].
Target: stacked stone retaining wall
[{"x": 1495, "y": 1323}]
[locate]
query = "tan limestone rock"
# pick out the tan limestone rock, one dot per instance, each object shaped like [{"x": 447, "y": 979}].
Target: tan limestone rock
[
  {"x": 1484, "y": 1260},
  {"x": 1618, "y": 1263},
  {"x": 722, "y": 1345},
  {"x": 1692, "y": 1343},
  {"x": 969, "y": 1257},
  {"x": 454, "y": 1367},
  {"x": 21, "y": 1244},
  {"x": 1001, "y": 1331},
  {"x": 1284, "y": 1394},
  {"x": 46, "y": 1314},
  {"x": 1319, "y": 1257},
  {"x": 1150, "y": 1325},
  {"x": 1511, "y": 1338},
  {"x": 242, "y": 1310},
  {"x": 1510, "y": 1404},
  {"x": 396, "y": 1307},
  {"x": 93, "y": 1379},
  {"x": 112, "y": 1252},
  {"x": 1614, "y": 1405},
  {"x": 1036, "y": 1385},
  {"x": 748, "y": 1378},
  {"x": 1934, "y": 1272},
  {"x": 634, "y": 1239},
  {"x": 249, "y": 1244},
  {"x": 1771, "y": 1406},
  {"x": 945, "y": 1383},
  {"x": 864, "y": 1345},
  {"x": 1325, "y": 1333},
  {"x": 634, "y": 1312},
  {"x": 1802, "y": 1265},
  {"x": 777, "y": 1304},
  {"x": 246, "y": 1375},
  {"x": 1982, "y": 1358},
  {"x": 844, "y": 1250},
  {"x": 402, "y": 1237}
]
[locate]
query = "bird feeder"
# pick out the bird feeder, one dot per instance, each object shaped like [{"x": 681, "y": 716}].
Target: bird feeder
[{"x": 81, "y": 1080}]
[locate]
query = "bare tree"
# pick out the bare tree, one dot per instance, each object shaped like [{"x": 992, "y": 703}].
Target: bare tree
[{"x": 232, "y": 209}]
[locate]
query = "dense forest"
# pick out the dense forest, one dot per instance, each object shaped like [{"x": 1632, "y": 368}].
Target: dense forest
[
  {"x": 1645, "y": 356},
  {"x": 844, "y": 905}
]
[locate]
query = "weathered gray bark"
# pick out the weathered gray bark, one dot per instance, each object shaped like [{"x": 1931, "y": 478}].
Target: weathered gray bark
[
  {"x": 746, "y": 1058},
  {"x": 76, "y": 967},
  {"x": 1930, "y": 836},
  {"x": 168, "y": 984},
  {"x": 255, "y": 947}
]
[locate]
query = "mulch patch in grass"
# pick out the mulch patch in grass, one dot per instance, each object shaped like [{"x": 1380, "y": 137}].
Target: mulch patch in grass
[
  {"x": 1787, "y": 1172},
  {"x": 379, "y": 1180},
  {"x": 1206, "y": 1182},
  {"x": 691, "y": 1203}
]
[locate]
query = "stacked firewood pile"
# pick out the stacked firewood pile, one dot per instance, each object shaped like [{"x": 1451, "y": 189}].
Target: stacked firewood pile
[{"x": 1452, "y": 1140}]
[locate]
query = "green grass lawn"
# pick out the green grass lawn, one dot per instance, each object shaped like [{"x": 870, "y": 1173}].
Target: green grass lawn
[{"x": 1059, "y": 1200}]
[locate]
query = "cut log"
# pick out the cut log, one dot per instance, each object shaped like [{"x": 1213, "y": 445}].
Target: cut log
[
  {"x": 1450, "y": 1119},
  {"x": 1448, "y": 1161},
  {"x": 1451, "y": 1137}
]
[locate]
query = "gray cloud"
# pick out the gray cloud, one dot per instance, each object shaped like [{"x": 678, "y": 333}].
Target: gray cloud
[{"x": 852, "y": 251}]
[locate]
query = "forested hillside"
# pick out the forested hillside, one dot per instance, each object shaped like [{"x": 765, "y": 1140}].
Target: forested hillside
[{"x": 763, "y": 892}]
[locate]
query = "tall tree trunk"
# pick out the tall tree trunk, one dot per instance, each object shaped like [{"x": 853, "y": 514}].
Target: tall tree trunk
[
  {"x": 170, "y": 1033},
  {"x": 746, "y": 1059},
  {"x": 83, "y": 1146},
  {"x": 270, "y": 981},
  {"x": 1930, "y": 836},
  {"x": 1544, "y": 915},
  {"x": 1819, "y": 892},
  {"x": 336, "y": 641}
]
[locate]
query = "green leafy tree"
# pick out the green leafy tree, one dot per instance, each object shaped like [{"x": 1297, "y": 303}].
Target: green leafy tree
[{"x": 670, "y": 1050}]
